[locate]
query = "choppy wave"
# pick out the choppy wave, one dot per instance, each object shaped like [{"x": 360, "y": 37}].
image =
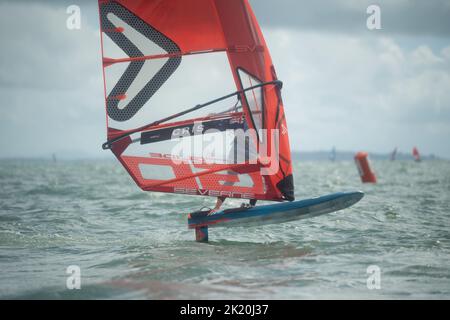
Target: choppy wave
[{"x": 135, "y": 245}]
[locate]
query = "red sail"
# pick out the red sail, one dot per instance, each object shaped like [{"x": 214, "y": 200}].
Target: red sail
[
  {"x": 165, "y": 64},
  {"x": 416, "y": 154}
]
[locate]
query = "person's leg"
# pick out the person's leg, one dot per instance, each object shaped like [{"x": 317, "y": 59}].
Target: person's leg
[
  {"x": 219, "y": 203},
  {"x": 253, "y": 202}
]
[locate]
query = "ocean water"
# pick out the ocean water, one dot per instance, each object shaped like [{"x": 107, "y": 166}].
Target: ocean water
[{"x": 131, "y": 244}]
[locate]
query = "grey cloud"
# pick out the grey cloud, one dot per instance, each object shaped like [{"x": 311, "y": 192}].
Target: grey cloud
[
  {"x": 38, "y": 51},
  {"x": 414, "y": 17},
  {"x": 335, "y": 76},
  {"x": 411, "y": 17},
  {"x": 368, "y": 93}
]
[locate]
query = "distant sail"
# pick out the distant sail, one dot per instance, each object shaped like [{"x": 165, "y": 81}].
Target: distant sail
[
  {"x": 394, "y": 154},
  {"x": 165, "y": 63},
  {"x": 416, "y": 154},
  {"x": 333, "y": 154}
]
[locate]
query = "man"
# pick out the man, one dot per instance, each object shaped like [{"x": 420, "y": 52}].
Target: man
[
  {"x": 221, "y": 199},
  {"x": 233, "y": 155}
]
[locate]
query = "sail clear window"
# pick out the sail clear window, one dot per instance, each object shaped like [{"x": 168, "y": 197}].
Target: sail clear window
[{"x": 254, "y": 98}]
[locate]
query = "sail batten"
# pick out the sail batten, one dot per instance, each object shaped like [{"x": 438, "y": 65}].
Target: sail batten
[{"x": 110, "y": 61}]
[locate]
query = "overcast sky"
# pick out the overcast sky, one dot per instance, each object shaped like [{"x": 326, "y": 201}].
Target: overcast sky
[{"x": 344, "y": 85}]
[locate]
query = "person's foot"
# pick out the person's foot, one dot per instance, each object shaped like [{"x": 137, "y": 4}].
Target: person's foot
[{"x": 211, "y": 212}]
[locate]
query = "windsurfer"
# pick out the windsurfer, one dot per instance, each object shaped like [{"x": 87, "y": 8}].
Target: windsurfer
[{"x": 232, "y": 155}]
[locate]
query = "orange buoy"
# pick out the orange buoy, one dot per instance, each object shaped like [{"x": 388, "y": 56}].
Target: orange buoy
[{"x": 362, "y": 163}]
